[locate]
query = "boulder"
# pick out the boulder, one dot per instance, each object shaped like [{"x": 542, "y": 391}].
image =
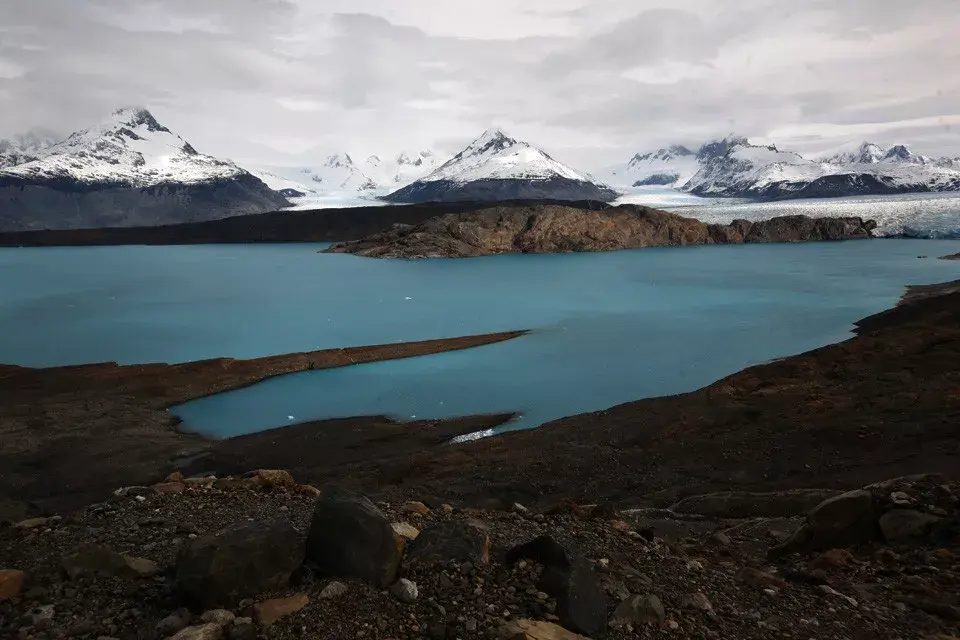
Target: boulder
[
  {"x": 450, "y": 541},
  {"x": 642, "y": 609},
  {"x": 91, "y": 559},
  {"x": 209, "y": 631},
  {"x": 238, "y": 562},
  {"x": 536, "y": 630},
  {"x": 906, "y": 525},
  {"x": 350, "y": 538},
  {"x": 11, "y": 583},
  {"x": 581, "y": 602},
  {"x": 242, "y": 629},
  {"x": 849, "y": 519},
  {"x": 269, "y": 611}
]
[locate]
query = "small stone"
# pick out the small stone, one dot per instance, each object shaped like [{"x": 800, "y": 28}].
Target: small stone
[
  {"x": 242, "y": 629},
  {"x": 825, "y": 588},
  {"x": 833, "y": 559},
  {"x": 169, "y": 487},
  {"x": 447, "y": 509},
  {"x": 721, "y": 539},
  {"x": 415, "y": 508},
  {"x": 333, "y": 590},
  {"x": 535, "y": 630},
  {"x": 695, "y": 565},
  {"x": 210, "y": 631},
  {"x": 901, "y": 499},
  {"x": 269, "y": 611},
  {"x": 697, "y": 601},
  {"x": 220, "y": 616},
  {"x": 673, "y": 625},
  {"x": 11, "y": 582},
  {"x": 31, "y": 523},
  {"x": 176, "y": 476},
  {"x": 519, "y": 508},
  {"x": 405, "y": 591},
  {"x": 308, "y": 490},
  {"x": 470, "y": 625},
  {"x": 642, "y": 609},
  {"x": 174, "y": 622},
  {"x": 771, "y": 592},
  {"x": 757, "y": 578},
  {"x": 406, "y": 530},
  {"x": 272, "y": 478},
  {"x": 142, "y": 567},
  {"x": 82, "y": 628}
]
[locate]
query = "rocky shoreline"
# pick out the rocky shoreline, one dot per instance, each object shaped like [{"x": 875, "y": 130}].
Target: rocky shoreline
[
  {"x": 262, "y": 556},
  {"x": 561, "y": 229},
  {"x": 71, "y": 434}
]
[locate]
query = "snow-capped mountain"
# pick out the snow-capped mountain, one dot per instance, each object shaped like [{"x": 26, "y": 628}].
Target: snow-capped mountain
[
  {"x": 498, "y": 167},
  {"x": 747, "y": 170},
  {"x": 128, "y": 170},
  {"x": 402, "y": 169},
  {"x": 339, "y": 173},
  {"x": 671, "y": 166},
  {"x": 25, "y": 148}
]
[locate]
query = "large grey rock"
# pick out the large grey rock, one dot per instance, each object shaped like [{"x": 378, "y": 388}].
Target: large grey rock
[
  {"x": 239, "y": 562},
  {"x": 581, "y": 602},
  {"x": 350, "y": 538},
  {"x": 906, "y": 525},
  {"x": 849, "y": 519},
  {"x": 450, "y": 541}
]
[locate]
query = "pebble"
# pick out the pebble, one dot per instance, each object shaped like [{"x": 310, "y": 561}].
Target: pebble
[
  {"x": 405, "y": 590},
  {"x": 333, "y": 590}
]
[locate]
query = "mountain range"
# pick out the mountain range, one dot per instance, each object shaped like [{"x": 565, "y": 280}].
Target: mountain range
[
  {"x": 130, "y": 170},
  {"x": 734, "y": 167}
]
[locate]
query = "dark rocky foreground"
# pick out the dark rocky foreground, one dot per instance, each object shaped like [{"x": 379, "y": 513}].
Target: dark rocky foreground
[
  {"x": 27, "y": 204},
  {"x": 558, "y": 228},
  {"x": 261, "y": 556},
  {"x": 318, "y": 225}
]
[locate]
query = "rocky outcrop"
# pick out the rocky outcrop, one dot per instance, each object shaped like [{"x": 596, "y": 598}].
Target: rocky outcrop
[
  {"x": 560, "y": 229},
  {"x": 910, "y": 510},
  {"x": 557, "y": 188}
]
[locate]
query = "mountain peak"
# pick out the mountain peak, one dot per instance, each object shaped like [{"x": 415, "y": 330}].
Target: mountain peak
[
  {"x": 491, "y": 140},
  {"x": 135, "y": 117},
  {"x": 719, "y": 148},
  {"x": 898, "y": 152}
]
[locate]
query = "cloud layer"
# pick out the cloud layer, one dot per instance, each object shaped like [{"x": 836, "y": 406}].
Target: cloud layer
[{"x": 592, "y": 81}]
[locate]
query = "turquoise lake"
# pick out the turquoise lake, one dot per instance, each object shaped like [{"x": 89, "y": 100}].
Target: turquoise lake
[{"x": 608, "y": 327}]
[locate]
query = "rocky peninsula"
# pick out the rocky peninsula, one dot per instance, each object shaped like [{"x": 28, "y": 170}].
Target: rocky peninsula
[{"x": 556, "y": 228}]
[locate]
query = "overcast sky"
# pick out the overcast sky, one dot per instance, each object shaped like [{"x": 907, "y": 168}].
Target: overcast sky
[{"x": 591, "y": 81}]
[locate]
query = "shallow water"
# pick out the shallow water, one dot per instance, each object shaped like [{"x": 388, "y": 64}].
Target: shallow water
[{"x": 609, "y": 327}]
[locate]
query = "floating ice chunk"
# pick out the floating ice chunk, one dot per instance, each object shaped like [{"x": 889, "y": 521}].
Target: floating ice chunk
[
  {"x": 291, "y": 418},
  {"x": 408, "y": 298}
]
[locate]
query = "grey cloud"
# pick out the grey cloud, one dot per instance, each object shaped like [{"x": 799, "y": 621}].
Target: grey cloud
[{"x": 225, "y": 73}]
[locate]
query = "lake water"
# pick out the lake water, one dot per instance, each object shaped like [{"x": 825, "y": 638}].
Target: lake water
[{"x": 608, "y": 327}]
